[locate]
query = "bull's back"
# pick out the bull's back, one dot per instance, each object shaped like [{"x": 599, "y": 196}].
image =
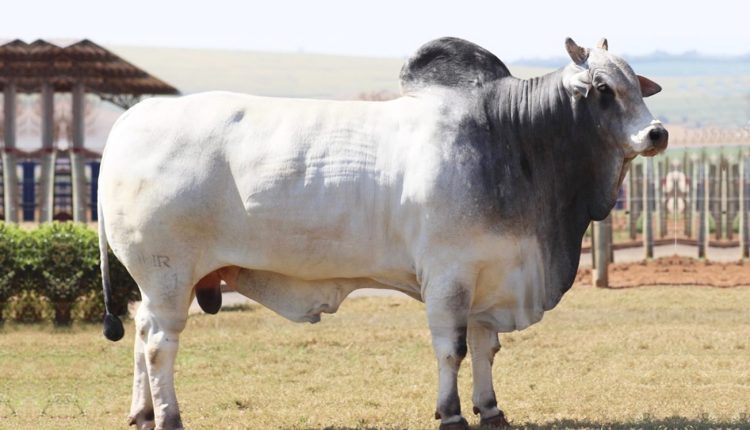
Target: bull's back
[{"x": 283, "y": 185}]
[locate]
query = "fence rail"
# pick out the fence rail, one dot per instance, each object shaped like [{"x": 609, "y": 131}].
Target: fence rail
[{"x": 690, "y": 196}]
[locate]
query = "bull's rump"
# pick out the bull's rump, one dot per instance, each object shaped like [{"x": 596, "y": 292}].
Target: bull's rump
[{"x": 312, "y": 189}]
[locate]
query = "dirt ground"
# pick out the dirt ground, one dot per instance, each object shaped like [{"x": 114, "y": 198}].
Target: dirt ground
[{"x": 675, "y": 270}]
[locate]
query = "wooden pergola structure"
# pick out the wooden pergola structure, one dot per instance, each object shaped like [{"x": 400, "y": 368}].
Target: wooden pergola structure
[{"x": 45, "y": 68}]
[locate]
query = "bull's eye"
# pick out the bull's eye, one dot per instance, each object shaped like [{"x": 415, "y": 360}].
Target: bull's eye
[{"x": 605, "y": 89}]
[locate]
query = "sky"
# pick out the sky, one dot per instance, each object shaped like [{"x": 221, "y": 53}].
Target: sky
[{"x": 389, "y": 28}]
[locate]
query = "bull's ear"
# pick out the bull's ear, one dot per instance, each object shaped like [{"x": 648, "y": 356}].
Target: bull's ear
[
  {"x": 603, "y": 44},
  {"x": 577, "y": 54},
  {"x": 648, "y": 87},
  {"x": 578, "y": 84}
]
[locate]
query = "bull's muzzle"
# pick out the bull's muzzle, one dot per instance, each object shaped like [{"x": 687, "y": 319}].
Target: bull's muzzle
[{"x": 658, "y": 139}]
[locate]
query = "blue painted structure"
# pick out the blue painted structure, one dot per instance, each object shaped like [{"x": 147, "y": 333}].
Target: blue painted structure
[{"x": 28, "y": 190}]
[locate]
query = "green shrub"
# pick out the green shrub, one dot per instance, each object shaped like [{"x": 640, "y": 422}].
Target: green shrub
[
  {"x": 66, "y": 262},
  {"x": 124, "y": 288},
  {"x": 11, "y": 269},
  {"x": 90, "y": 306},
  {"x": 56, "y": 267},
  {"x": 28, "y": 307},
  {"x": 8, "y": 246}
]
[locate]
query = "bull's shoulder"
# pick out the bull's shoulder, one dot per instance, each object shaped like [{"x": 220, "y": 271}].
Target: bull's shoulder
[{"x": 451, "y": 62}]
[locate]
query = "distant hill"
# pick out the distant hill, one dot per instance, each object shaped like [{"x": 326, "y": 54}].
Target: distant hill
[{"x": 660, "y": 63}]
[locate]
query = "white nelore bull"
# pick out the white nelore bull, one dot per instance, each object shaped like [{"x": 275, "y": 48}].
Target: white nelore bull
[{"x": 471, "y": 192}]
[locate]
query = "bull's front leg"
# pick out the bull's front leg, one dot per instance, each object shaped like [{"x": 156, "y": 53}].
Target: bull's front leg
[
  {"x": 447, "y": 305},
  {"x": 484, "y": 344}
]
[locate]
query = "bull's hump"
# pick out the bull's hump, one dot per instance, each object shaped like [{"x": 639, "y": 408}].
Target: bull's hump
[{"x": 451, "y": 62}]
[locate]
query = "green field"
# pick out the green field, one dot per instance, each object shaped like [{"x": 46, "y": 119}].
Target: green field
[
  {"x": 700, "y": 101},
  {"x": 639, "y": 358}
]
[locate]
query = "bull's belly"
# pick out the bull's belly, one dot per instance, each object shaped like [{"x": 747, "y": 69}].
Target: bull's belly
[
  {"x": 300, "y": 262},
  {"x": 301, "y": 300},
  {"x": 509, "y": 292}
]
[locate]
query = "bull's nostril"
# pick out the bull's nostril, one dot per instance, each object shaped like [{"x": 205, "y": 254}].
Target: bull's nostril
[{"x": 655, "y": 134}]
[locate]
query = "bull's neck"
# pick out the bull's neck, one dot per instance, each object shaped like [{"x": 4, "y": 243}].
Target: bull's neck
[
  {"x": 537, "y": 119},
  {"x": 538, "y": 108},
  {"x": 536, "y": 115}
]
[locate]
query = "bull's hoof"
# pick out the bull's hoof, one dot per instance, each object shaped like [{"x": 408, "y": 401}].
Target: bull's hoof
[
  {"x": 496, "y": 422},
  {"x": 460, "y": 425},
  {"x": 209, "y": 299},
  {"x": 143, "y": 420}
]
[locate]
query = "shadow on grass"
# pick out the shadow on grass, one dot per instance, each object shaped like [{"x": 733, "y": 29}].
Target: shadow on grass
[
  {"x": 242, "y": 307},
  {"x": 671, "y": 423}
]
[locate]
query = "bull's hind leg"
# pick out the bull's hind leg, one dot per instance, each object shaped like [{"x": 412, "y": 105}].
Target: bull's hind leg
[
  {"x": 141, "y": 407},
  {"x": 159, "y": 322},
  {"x": 483, "y": 344}
]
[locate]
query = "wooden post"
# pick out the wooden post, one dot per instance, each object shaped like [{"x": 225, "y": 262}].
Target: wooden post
[
  {"x": 689, "y": 200},
  {"x": 710, "y": 201},
  {"x": 77, "y": 168},
  {"x": 714, "y": 197},
  {"x": 703, "y": 204},
  {"x": 632, "y": 199},
  {"x": 723, "y": 202},
  {"x": 648, "y": 205},
  {"x": 698, "y": 200},
  {"x": 661, "y": 199},
  {"x": 735, "y": 196},
  {"x": 593, "y": 244},
  {"x": 610, "y": 239},
  {"x": 733, "y": 193},
  {"x": 602, "y": 246},
  {"x": 10, "y": 167},
  {"x": 656, "y": 198},
  {"x": 744, "y": 196},
  {"x": 47, "y": 176}
]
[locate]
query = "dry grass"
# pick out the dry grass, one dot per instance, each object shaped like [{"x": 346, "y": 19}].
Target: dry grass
[{"x": 639, "y": 358}]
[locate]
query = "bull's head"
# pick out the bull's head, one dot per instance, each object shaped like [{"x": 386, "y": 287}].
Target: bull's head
[
  {"x": 605, "y": 90},
  {"x": 614, "y": 94}
]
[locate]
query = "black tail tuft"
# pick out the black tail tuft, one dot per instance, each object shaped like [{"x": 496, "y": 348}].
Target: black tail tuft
[{"x": 113, "y": 329}]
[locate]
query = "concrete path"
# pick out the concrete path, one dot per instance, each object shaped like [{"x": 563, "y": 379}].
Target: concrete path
[{"x": 630, "y": 255}]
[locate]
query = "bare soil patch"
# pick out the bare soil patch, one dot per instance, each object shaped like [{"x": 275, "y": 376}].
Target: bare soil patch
[{"x": 675, "y": 270}]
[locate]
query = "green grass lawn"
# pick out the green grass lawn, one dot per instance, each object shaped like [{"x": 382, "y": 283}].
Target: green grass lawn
[{"x": 639, "y": 358}]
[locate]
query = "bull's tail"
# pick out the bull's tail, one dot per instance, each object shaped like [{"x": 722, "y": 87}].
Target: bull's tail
[{"x": 113, "y": 329}]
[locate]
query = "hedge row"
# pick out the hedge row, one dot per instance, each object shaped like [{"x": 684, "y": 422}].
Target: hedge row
[{"x": 52, "y": 272}]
